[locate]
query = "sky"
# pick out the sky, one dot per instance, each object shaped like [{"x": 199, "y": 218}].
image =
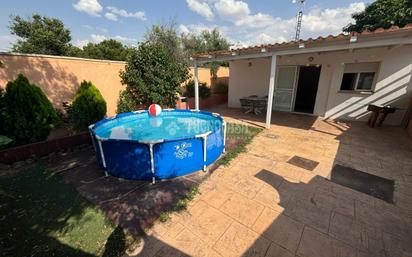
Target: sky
[{"x": 243, "y": 22}]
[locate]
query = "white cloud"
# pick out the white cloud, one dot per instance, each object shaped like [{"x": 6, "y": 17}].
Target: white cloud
[
  {"x": 97, "y": 38},
  {"x": 125, "y": 39},
  {"x": 111, "y": 16},
  {"x": 91, "y": 7},
  {"x": 248, "y": 28},
  {"x": 81, "y": 43},
  {"x": 330, "y": 20},
  {"x": 183, "y": 29},
  {"x": 114, "y": 11},
  {"x": 232, "y": 10},
  {"x": 198, "y": 28},
  {"x": 200, "y": 7}
]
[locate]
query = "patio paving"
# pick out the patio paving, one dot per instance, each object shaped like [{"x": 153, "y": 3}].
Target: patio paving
[
  {"x": 277, "y": 199},
  {"x": 134, "y": 205}
]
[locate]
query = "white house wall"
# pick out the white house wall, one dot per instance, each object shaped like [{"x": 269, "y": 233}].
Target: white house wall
[
  {"x": 248, "y": 80},
  {"x": 393, "y": 82}
]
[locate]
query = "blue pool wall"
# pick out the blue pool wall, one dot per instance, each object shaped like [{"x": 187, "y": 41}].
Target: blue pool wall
[{"x": 131, "y": 159}]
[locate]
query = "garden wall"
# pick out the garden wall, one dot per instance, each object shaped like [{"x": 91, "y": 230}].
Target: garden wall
[
  {"x": 212, "y": 100},
  {"x": 11, "y": 155},
  {"x": 59, "y": 77}
]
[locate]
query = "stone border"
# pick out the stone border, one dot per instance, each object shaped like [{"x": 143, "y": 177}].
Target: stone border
[{"x": 19, "y": 153}]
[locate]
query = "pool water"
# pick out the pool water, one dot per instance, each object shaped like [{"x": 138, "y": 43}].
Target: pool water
[{"x": 170, "y": 126}]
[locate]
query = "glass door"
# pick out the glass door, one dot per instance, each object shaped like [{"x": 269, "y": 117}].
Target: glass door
[{"x": 284, "y": 88}]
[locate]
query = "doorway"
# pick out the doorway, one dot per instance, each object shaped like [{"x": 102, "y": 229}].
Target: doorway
[{"x": 307, "y": 88}]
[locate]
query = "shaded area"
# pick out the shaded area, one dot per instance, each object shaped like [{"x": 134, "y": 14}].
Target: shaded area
[
  {"x": 284, "y": 119},
  {"x": 43, "y": 216},
  {"x": 375, "y": 186}
]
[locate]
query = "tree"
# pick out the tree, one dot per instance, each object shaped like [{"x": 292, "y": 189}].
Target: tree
[
  {"x": 166, "y": 36},
  {"x": 74, "y": 51},
  {"x": 152, "y": 75},
  {"x": 382, "y": 14},
  {"x": 109, "y": 49},
  {"x": 126, "y": 102},
  {"x": 40, "y": 35},
  {"x": 206, "y": 41}
]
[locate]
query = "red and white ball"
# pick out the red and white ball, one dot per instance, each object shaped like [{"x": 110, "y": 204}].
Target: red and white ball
[{"x": 155, "y": 110}]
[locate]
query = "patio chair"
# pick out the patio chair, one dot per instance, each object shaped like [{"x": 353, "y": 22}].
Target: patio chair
[
  {"x": 246, "y": 105},
  {"x": 260, "y": 106}
]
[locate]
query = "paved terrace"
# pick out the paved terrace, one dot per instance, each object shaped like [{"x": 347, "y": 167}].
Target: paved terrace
[{"x": 261, "y": 205}]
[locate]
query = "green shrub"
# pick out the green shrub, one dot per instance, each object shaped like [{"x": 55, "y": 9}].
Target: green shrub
[
  {"x": 221, "y": 87},
  {"x": 88, "y": 106},
  {"x": 204, "y": 90},
  {"x": 26, "y": 113},
  {"x": 126, "y": 103}
]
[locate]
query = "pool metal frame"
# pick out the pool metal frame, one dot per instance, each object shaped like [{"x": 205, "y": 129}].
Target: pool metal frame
[{"x": 151, "y": 143}]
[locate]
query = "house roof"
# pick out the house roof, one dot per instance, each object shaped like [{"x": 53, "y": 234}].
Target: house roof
[{"x": 341, "y": 38}]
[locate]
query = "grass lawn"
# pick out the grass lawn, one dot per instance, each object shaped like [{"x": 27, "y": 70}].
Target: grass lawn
[
  {"x": 42, "y": 216},
  {"x": 243, "y": 135}
]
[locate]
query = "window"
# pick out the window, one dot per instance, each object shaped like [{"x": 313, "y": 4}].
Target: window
[
  {"x": 359, "y": 76},
  {"x": 348, "y": 81}
]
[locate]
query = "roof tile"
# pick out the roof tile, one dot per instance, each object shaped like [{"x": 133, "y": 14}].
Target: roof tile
[{"x": 309, "y": 40}]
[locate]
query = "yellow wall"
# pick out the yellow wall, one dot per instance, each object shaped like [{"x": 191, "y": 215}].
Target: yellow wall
[{"x": 59, "y": 77}]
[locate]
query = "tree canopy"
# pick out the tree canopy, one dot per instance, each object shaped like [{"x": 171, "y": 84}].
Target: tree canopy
[
  {"x": 166, "y": 36},
  {"x": 108, "y": 49},
  {"x": 43, "y": 35},
  {"x": 40, "y": 35},
  {"x": 382, "y": 14},
  {"x": 206, "y": 41},
  {"x": 152, "y": 75}
]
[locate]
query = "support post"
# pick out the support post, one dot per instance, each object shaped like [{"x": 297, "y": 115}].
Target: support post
[
  {"x": 271, "y": 90},
  {"x": 99, "y": 141},
  {"x": 152, "y": 163},
  {"x": 204, "y": 139},
  {"x": 196, "y": 73},
  {"x": 224, "y": 135}
]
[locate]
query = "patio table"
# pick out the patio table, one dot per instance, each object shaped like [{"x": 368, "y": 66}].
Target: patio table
[{"x": 253, "y": 104}]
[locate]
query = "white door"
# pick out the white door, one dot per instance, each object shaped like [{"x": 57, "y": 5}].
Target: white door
[{"x": 284, "y": 88}]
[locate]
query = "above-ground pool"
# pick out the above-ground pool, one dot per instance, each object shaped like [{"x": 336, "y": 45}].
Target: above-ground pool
[{"x": 136, "y": 145}]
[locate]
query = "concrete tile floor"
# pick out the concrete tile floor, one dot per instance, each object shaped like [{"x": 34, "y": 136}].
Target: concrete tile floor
[{"x": 263, "y": 206}]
